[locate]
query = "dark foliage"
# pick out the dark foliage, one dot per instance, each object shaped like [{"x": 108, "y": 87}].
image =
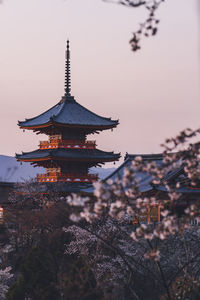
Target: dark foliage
[{"x": 42, "y": 269}]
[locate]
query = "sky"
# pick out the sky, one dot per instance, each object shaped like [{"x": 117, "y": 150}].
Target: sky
[{"x": 154, "y": 93}]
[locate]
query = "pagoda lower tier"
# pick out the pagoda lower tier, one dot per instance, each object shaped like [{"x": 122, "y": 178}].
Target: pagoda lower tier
[{"x": 67, "y": 165}]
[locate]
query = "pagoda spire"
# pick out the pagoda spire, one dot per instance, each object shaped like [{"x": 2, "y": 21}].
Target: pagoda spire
[{"x": 67, "y": 72}]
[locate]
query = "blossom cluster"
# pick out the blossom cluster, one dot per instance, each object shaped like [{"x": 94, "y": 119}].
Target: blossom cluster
[{"x": 125, "y": 201}]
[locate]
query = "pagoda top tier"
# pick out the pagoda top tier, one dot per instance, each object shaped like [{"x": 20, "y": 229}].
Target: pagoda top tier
[{"x": 68, "y": 112}]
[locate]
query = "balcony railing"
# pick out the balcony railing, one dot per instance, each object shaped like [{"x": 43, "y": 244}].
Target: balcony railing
[
  {"x": 63, "y": 177},
  {"x": 67, "y": 144}
]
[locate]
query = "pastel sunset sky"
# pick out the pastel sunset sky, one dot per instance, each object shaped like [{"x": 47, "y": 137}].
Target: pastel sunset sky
[{"x": 154, "y": 93}]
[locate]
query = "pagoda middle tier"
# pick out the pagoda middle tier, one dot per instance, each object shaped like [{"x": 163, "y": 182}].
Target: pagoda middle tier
[
  {"x": 67, "y": 155},
  {"x": 67, "y": 160}
]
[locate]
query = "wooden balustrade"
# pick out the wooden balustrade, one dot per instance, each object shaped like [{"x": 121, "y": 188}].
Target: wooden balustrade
[
  {"x": 67, "y": 144},
  {"x": 63, "y": 177}
]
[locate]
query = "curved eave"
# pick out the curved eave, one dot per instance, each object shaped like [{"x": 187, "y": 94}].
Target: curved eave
[
  {"x": 49, "y": 158},
  {"x": 46, "y": 125},
  {"x": 65, "y": 155},
  {"x": 71, "y": 126},
  {"x": 78, "y": 159}
]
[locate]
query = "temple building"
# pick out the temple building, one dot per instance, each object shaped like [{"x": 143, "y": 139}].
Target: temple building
[
  {"x": 188, "y": 193},
  {"x": 68, "y": 155}
]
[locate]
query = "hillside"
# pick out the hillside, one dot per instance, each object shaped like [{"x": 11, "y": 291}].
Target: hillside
[{"x": 13, "y": 171}]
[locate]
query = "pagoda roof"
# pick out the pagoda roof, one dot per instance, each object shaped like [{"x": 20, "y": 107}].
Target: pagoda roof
[
  {"x": 144, "y": 179},
  {"x": 68, "y": 112},
  {"x": 68, "y": 155}
]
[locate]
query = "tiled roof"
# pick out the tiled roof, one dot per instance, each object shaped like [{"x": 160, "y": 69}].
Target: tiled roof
[
  {"x": 69, "y": 112},
  {"x": 145, "y": 179}
]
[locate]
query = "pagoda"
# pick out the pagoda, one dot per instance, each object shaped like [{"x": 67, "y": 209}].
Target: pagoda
[{"x": 67, "y": 155}]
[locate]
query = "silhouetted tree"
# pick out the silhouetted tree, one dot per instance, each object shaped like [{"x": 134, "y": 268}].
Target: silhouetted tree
[{"x": 148, "y": 27}]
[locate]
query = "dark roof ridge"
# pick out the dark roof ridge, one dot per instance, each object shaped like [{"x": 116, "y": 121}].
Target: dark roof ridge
[
  {"x": 29, "y": 119},
  {"x": 56, "y": 151},
  {"x": 173, "y": 174},
  {"x": 17, "y": 154},
  {"x": 144, "y": 156},
  {"x": 115, "y": 171}
]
